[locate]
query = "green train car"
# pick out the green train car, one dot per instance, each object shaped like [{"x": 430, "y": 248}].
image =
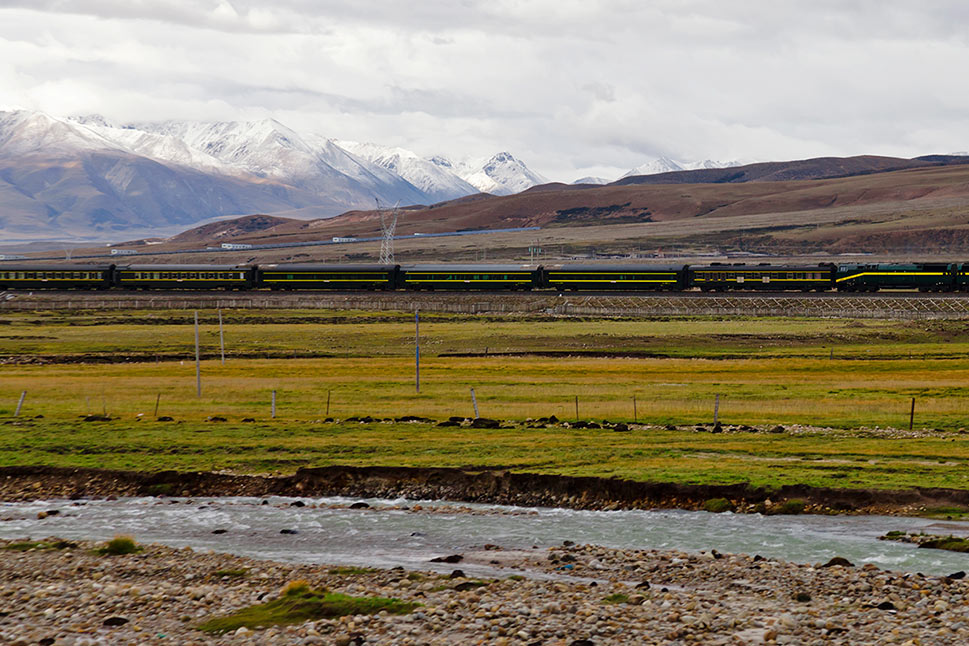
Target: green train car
[
  {"x": 766, "y": 278},
  {"x": 616, "y": 277},
  {"x": 346, "y": 277},
  {"x": 183, "y": 277},
  {"x": 925, "y": 277},
  {"x": 22, "y": 276},
  {"x": 460, "y": 277}
]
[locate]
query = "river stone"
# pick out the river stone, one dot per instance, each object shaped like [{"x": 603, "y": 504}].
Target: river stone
[
  {"x": 838, "y": 560},
  {"x": 114, "y": 621}
]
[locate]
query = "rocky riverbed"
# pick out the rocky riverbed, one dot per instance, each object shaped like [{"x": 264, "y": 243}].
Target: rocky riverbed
[{"x": 569, "y": 595}]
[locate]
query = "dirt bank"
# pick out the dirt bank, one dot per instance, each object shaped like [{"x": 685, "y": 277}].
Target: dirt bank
[{"x": 484, "y": 486}]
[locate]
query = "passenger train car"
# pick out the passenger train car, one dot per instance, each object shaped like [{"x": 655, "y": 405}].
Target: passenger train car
[{"x": 715, "y": 277}]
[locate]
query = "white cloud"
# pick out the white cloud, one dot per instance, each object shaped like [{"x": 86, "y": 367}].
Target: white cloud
[{"x": 574, "y": 87}]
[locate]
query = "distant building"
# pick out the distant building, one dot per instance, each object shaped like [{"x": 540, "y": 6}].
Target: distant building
[
  {"x": 10, "y": 256},
  {"x": 340, "y": 239},
  {"x": 123, "y": 252},
  {"x": 236, "y": 245}
]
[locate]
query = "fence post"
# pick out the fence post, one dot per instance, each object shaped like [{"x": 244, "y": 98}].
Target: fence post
[
  {"x": 911, "y": 416},
  {"x": 198, "y": 367},
  {"x": 716, "y": 409},
  {"x": 274, "y": 405},
  {"x": 635, "y": 415},
  {"x": 577, "y": 408},
  {"x": 221, "y": 338},
  {"x": 157, "y": 399},
  {"x": 20, "y": 403},
  {"x": 474, "y": 402},
  {"x": 327, "y": 403}
]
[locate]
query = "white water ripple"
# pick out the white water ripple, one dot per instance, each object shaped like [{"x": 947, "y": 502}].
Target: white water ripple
[{"x": 384, "y": 536}]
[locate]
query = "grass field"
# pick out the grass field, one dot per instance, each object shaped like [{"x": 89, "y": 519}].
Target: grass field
[{"x": 766, "y": 372}]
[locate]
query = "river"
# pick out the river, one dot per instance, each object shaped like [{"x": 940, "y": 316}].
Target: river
[{"x": 392, "y": 533}]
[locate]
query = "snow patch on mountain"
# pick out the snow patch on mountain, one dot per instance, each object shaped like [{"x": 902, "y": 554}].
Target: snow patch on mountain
[
  {"x": 437, "y": 180},
  {"x": 502, "y": 174},
  {"x": 592, "y": 180},
  {"x": 23, "y": 132},
  {"x": 667, "y": 165}
]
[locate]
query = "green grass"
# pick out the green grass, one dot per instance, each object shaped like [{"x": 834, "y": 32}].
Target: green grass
[
  {"x": 299, "y": 604},
  {"x": 617, "y": 597},
  {"x": 766, "y": 372}
]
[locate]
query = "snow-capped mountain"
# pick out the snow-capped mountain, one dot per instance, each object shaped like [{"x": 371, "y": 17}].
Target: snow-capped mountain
[
  {"x": 667, "y": 165},
  {"x": 502, "y": 174},
  {"x": 592, "y": 180},
  {"x": 437, "y": 181},
  {"x": 84, "y": 176}
]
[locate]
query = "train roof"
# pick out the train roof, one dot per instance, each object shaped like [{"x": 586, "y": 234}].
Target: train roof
[
  {"x": 183, "y": 267},
  {"x": 765, "y": 267},
  {"x": 326, "y": 267},
  {"x": 20, "y": 266},
  {"x": 468, "y": 268},
  {"x": 630, "y": 268}
]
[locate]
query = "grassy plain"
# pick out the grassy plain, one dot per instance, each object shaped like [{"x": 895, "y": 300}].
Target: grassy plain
[{"x": 767, "y": 372}]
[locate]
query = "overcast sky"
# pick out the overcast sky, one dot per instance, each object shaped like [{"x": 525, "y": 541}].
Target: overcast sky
[{"x": 572, "y": 87}]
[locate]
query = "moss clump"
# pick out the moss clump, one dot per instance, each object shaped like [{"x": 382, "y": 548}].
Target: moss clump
[
  {"x": 791, "y": 507},
  {"x": 26, "y": 546},
  {"x": 300, "y": 603},
  {"x": 120, "y": 545},
  {"x": 950, "y": 543},
  {"x": 616, "y": 598},
  {"x": 718, "y": 505}
]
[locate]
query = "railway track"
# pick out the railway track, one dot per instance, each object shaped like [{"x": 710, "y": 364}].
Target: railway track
[{"x": 882, "y": 305}]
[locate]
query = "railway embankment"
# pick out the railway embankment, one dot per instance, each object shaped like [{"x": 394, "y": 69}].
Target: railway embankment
[
  {"x": 493, "y": 486},
  {"x": 885, "y": 305}
]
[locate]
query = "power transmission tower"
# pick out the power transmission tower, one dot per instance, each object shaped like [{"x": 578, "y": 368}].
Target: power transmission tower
[{"x": 388, "y": 225}]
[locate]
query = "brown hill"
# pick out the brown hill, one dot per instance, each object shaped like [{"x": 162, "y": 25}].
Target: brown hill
[
  {"x": 816, "y": 168},
  {"x": 226, "y": 230},
  {"x": 915, "y": 210}
]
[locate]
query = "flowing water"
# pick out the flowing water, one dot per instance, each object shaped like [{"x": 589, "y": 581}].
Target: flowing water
[{"x": 388, "y": 535}]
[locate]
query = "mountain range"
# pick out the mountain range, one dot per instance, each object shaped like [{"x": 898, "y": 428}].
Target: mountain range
[{"x": 86, "y": 177}]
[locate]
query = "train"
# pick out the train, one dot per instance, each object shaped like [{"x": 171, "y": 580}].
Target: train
[{"x": 713, "y": 277}]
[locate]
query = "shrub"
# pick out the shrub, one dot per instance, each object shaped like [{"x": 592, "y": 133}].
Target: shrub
[
  {"x": 120, "y": 545},
  {"x": 616, "y": 598}
]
